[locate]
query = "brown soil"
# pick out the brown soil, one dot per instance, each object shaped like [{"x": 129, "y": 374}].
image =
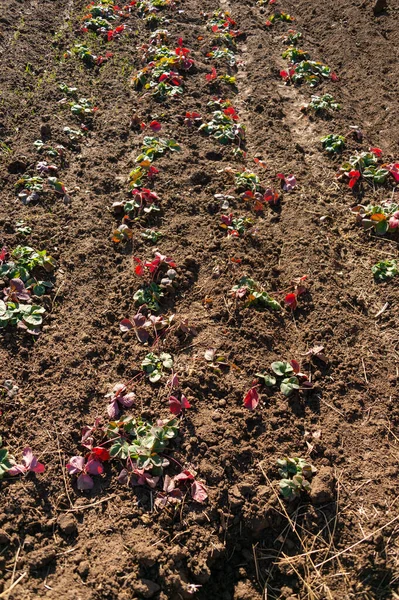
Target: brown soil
[{"x": 244, "y": 543}]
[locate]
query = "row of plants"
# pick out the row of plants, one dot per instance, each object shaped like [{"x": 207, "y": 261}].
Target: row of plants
[{"x": 365, "y": 170}]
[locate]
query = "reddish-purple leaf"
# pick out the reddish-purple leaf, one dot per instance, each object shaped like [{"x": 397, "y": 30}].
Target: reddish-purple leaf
[
  {"x": 198, "y": 492},
  {"x": 85, "y": 482},
  {"x": 251, "y": 399}
]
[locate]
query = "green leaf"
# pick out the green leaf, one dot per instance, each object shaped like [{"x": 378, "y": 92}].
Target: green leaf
[
  {"x": 155, "y": 376},
  {"x": 167, "y": 360},
  {"x": 289, "y": 385},
  {"x": 268, "y": 380},
  {"x": 282, "y": 368},
  {"x": 119, "y": 448}
]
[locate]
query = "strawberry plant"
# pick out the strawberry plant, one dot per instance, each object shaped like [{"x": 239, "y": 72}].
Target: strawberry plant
[
  {"x": 247, "y": 181},
  {"x": 291, "y": 299},
  {"x": 149, "y": 295},
  {"x": 323, "y": 104},
  {"x": 83, "y": 108},
  {"x": 29, "y": 464},
  {"x": 22, "y": 228},
  {"x": 385, "y": 269},
  {"x": 154, "y": 365},
  {"x": 296, "y": 474},
  {"x": 224, "y": 126},
  {"x": 151, "y": 235},
  {"x": 145, "y": 326},
  {"x": 286, "y": 376},
  {"x": 154, "y": 148},
  {"x": 23, "y": 261},
  {"x": 78, "y": 465},
  {"x": 68, "y": 91},
  {"x": 235, "y": 227},
  {"x": 33, "y": 187},
  {"x": 279, "y": 16},
  {"x": 295, "y": 55},
  {"x": 161, "y": 74},
  {"x": 333, "y": 144},
  {"x": 24, "y": 316},
  {"x": 383, "y": 218},
  {"x": 292, "y": 37},
  {"x": 222, "y": 55},
  {"x": 310, "y": 71},
  {"x": 215, "y": 360},
  {"x": 85, "y": 54},
  {"x": 288, "y": 182},
  {"x": 172, "y": 494},
  {"x": 43, "y": 148},
  {"x": 141, "y": 441},
  {"x": 253, "y": 295},
  {"x": 367, "y": 166},
  {"x": 221, "y": 21}
]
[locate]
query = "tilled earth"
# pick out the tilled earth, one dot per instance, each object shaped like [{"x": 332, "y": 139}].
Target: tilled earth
[{"x": 244, "y": 543}]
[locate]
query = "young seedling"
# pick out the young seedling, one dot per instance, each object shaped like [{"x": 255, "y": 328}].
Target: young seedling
[
  {"x": 29, "y": 464},
  {"x": 154, "y": 365},
  {"x": 296, "y": 474},
  {"x": 292, "y": 37},
  {"x": 385, "y": 269},
  {"x": 333, "y": 144},
  {"x": 253, "y": 295},
  {"x": 146, "y": 326},
  {"x": 294, "y": 55},
  {"x": 308, "y": 71},
  {"x": 366, "y": 166},
  {"x": 383, "y": 218},
  {"x": 322, "y": 104},
  {"x": 215, "y": 360},
  {"x": 151, "y": 235},
  {"x": 224, "y": 127},
  {"x": 286, "y": 376},
  {"x": 279, "y": 16},
  {"x": 235, "y": 227}
]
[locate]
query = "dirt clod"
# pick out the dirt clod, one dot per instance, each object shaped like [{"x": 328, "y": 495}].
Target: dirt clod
[
  {"x": 322, "y": 486},
  {"x": 67, "y": 523}
]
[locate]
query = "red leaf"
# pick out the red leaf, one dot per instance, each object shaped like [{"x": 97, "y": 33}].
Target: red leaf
[
  {"x": 295, "y": 365},
  {"x": 155, "y": 126},
  {"x": 100, "y": 454},
  {"x": 184, "y": 476},
  {"x": 184, "y": 402},
  {"x": 251, "y": 399},
  {"x": 211, "y": 76},
  {"x": 376, "y": 151},
  {"x": 198, "y": 492},
  {"x": 291, "y": 301},
  {"x": 334, "y": 77}
]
